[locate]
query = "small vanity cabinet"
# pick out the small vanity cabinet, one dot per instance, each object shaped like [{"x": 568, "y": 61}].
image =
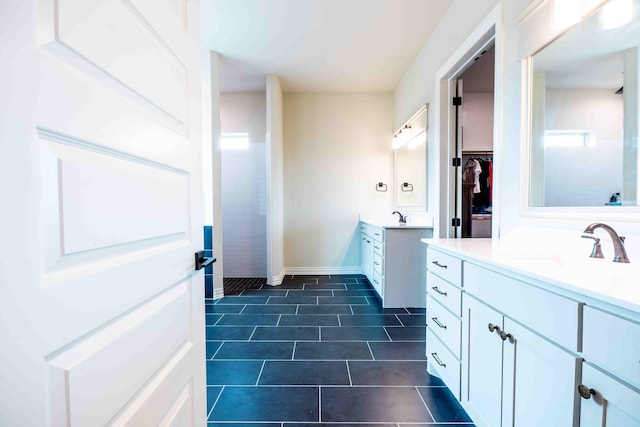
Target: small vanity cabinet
[
  {"x": 392, "y": 257},
  {"x": 519, "y": 351}
]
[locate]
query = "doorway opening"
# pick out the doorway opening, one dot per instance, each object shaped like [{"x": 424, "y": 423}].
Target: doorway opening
[{"x": 468, "y": 92}]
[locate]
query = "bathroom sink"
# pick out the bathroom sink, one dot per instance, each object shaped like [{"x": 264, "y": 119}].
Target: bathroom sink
[{"x": 601, "y": 276}]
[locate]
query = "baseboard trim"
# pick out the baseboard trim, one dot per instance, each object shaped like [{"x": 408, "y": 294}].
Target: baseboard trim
[
  {"x": 276, "y": 280},
  {"x": 218, "y": 293},
  {"x": 321, "y": 271}
]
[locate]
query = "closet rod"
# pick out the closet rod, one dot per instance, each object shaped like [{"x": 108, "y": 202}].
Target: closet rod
[{"x": 475, "y": 153}]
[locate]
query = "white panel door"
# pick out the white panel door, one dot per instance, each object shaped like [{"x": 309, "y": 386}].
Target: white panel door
[
  {"x": 101, "y": 313},
  {"x": 482, "y": 374},
  {"x": 539, "y": 381},
  {"x": 611, "y": 403}
]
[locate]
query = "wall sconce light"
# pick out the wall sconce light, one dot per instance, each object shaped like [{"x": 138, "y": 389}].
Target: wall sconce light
[
  {"x": 381, "y": 187},
  {"x": 401, "y": 137},
  {"x": 406, "y": 187}
]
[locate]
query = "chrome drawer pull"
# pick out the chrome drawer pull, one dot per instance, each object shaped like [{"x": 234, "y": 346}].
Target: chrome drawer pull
[
  {"x": 377, "y": 247},
  {"x": 435, "y": 320},
  {"x": 438, "y": 264},
  {"x": 435, "y": 288},
  {"x": 438, "y": 361}
]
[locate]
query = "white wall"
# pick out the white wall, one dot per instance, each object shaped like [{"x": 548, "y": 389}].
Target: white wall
[
  {"x": 477, "y": 121},
  {"x": 244, "y": 186},
  {"x": 275, "y": 197},
  {"x": 210, "y": 73},
  {"x": 417, "y": 84},
  {"x": 337, "y": 147},
  {"x": 583, "y": 176}
]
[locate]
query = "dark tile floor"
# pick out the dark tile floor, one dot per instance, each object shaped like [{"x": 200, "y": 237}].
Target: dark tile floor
[{"x": 320, "y": 349}]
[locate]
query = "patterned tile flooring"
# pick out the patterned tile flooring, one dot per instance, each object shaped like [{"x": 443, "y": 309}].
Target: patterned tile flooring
[{"x": 320, "y": 350}]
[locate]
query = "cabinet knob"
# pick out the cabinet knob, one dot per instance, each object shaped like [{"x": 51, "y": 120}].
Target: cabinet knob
[
  {"x": 585, "y": 391},
  {"x": 493, "y": 328},
  {"x": 505, "y": 335}
]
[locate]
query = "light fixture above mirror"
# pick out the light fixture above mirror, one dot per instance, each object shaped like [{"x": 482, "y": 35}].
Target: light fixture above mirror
[{"x": 410, "y": 142}]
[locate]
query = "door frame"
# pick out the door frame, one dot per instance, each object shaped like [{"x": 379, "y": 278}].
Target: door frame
[{"x": 488, "y": 32}]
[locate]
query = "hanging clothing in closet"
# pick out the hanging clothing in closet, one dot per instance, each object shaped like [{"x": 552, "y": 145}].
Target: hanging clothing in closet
[
  {"x": 482, "y": 172},
  {"x": 469, "y": 180}
]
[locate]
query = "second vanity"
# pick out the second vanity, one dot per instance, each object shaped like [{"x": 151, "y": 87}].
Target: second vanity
[
  {"x": 531, "y": 339},
  {"x": 393, "y": 258}
]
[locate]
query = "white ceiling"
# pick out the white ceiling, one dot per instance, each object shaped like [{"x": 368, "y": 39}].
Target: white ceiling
[{"x": 317, "y": 45}]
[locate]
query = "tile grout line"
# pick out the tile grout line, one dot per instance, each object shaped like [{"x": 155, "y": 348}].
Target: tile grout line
[
  {"x": 425, "y": 404},
  {"x": 255, "y": 328},
  {"x": 370, "y": 351},
  {"x": 293, "y": 353},
  {"x": 349, "y": 372},
  {"x": 387, "y": 332},
  {"x": 264, "y": 362},
  {"x": 319, "y": 404},
  {"x": 217, "y": 350},
  {"x": 216, "y": 402},
  {"x": 400, "y": 320}
]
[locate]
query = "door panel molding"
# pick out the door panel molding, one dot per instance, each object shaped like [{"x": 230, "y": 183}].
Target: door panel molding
[
  {"x": 141, "y": 340},
  {"x": 93, "y": 36},
  {"x": 111, "y": 183}
]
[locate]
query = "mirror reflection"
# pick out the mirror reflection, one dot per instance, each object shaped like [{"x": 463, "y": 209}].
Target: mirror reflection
[
  {"x": 584, "y": 113},
  {"x": 410, "y": 163}
]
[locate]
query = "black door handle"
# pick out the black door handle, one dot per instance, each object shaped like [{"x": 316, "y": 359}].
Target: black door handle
[{"x": 203, "y": 261}]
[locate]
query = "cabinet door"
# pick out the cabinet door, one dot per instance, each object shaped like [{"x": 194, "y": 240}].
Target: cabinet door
[
  {"x": 539, "y": 381},
  {"x": 612, "y": 404},
  {"x": 482, "y": 372}
]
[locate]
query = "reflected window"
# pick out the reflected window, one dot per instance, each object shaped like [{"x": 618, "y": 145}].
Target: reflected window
[{"x": 569, "y": 138}]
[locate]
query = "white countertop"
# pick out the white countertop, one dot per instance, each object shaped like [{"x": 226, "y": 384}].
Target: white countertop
[
  {"x": 391, "y": 221},
  {"x": 601, "y": 279}
]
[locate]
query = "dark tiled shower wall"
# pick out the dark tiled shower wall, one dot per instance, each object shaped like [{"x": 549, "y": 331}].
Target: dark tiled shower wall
[{"x": 208, "y": 272}]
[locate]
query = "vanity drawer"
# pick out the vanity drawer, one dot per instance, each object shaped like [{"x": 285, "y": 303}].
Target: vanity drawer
[
  {"x": 377, "y": 264},
  {"x": 551, "y": 315},
  {"x": 375, "y": 233},
  {"x": 378, "y": 248},
  {"x": 377, "y": 282},
  {"x": 443, "y": 363},
  {"x": 445, "y": 293},
  {"x": 445, "y": 325},
  {"x": 444, "y": 265},
  {"x": 613, "y": 343}
]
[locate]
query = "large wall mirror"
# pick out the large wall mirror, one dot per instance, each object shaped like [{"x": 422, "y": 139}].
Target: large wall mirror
[
  {"x": 410, "y": 183},
  {"x": 583, "y": 139}
]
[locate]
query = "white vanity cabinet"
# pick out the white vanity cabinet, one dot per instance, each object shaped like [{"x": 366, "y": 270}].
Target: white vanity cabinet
[
  {"x": 392, "y": 258},
  {"x": 509, "y": 367},
  {"x": 529, "y": 346},
  {"x": 606, "y": 400}
]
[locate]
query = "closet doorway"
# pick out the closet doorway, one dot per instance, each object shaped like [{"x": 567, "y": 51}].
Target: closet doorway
[
  {"x": 476, "y": 85},
  {"x": 467, "y": 92}
]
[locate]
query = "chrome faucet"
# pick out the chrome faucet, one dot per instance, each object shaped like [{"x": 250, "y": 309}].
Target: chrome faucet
[
  {"x": 403, "y": 218},
  {"x": 620, "y": 254}
]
